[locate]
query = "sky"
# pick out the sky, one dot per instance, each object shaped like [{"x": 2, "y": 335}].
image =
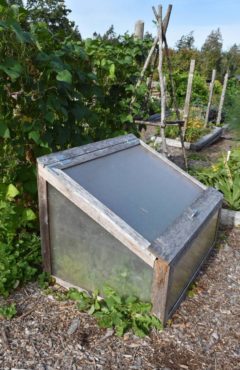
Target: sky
[{"x": 200, "y": 16}]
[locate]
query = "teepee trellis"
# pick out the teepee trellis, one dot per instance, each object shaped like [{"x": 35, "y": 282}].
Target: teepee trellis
[{"x": 160, "y": 43}]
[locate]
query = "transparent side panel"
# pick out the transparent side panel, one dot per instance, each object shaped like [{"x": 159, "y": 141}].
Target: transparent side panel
[
  {"x": 139, "y": 187},
  {"x": 186, "y": 266},
  {"x": 86, "y": 255}
]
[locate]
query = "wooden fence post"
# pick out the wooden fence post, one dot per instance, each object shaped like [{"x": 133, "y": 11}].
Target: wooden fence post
[
  {"x": 188, "y": 95},
  {"x": 222, "y": 99},
  {"x": 211, "y": 87},
  {"x": 139, "y": 30}
]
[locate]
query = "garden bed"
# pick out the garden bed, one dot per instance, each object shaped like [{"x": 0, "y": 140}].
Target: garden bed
[
  {"x": 230, "y": 218},
  {"x": 201, "y": 143}
]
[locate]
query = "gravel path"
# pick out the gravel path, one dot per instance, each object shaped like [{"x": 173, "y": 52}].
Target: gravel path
[{"x": 204, "y": 333}]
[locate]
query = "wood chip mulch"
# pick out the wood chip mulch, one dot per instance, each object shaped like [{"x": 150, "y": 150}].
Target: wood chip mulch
[{"x": 204, "y": 333}]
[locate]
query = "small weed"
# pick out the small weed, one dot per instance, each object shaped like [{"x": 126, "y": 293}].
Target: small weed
[
  {"x": 197, "y": 157},
  {"x": 45, "y": 280},
  {"x": 193, "y": 290},
  {"x": 8, "y": 311},
  {"x": 114, "y": 311}
]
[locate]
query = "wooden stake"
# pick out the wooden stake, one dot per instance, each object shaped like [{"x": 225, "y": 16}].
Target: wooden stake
[
  {"x": 211, "y": 87},
  {"x": 188, "y": 95},
  {"x": 222, "y": 99},
  {"x": 139, "y": 30},
  {"x": 161, "y": 79},
  {"x": 155, "y": 42}
]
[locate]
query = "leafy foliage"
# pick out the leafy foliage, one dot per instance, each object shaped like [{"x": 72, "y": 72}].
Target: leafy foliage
[
  {"x": 224, "y": 176},
  {"x": 8, "y": 311},
  {"x": 19, "y": 246},
  {"x": 117, "y": 312}
]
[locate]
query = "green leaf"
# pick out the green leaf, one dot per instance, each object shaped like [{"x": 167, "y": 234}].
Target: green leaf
[
  {"x": 12, "y": 191},
  {"x": 35, "y": 136},
  {"x": 29, "y": 215},
  {"x": 64, "y": 76},
  {"x": 12, "y": 68},
  {"x": 112, "y": 71},
  {"x": 91, "y": 310},
  {"x": 21, "y": 35},
  {"x": 4, "y": 131}
]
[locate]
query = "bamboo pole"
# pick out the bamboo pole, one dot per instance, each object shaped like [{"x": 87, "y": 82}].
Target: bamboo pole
[
  {"x": 161, "y": 78},
  {"x": 222, "y": 98},
  {"x": 188, "y": 95},
  {"x": 211, "y": 87}
]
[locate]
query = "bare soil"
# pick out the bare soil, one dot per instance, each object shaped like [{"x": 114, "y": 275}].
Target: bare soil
[{"x": 204, "y": 333}]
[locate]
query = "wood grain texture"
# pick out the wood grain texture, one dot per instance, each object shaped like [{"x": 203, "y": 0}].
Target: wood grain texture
[
  {"x": 160, "y": 289},
  {"x": 175, "y": 240},
  {"x": 222, "y": 99},
  {"x": 44, "y": 226},
  {"x": 211, "y": 88},
  {"x": 98, "y": 212},
  {"x": 95, "y": 154},
  {"x": 84, "y": 149},
  {"x": 188, "y": 95}
]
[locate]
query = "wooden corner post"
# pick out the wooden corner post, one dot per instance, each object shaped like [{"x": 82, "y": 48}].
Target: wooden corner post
[
  {"x": 160, "y": 289},
  {"x": 44, "y": 225}
]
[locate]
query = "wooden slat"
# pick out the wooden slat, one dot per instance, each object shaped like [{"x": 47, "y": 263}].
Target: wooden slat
[
  {"x": 157, "y": 123},
  {"x": 160, "y": 289},
  {"x": 98, "y": 212},
  {"x": 44, "y": 226},
  {"x": 95, "y": 154},
  {"x": 84, "y": 149}
]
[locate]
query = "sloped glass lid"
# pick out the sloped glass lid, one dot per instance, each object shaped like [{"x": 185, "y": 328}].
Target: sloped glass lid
[{"x": 139, "y": 187}]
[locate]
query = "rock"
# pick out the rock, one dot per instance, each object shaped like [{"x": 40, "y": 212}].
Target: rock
[{"x": 73, "y": 326}]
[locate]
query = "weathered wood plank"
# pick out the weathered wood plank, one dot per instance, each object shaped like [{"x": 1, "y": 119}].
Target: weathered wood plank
[
  {"x": 139, "y": 30},
  {"x": 44, "y": 226},
  {"x": 95, "y": 154},
  {"x": 161, "y": 78},
  {"x": 98, "y": 212},
  {"x": 178, "y": 238},
  {"x": 160, "y": 289},
  {"x": 211, "y": 88},
  {"x": 157, "y": 123},
  {"x": 222, "y": 99},
  {"x": 188, "y": 95},
  {"x": 84, "y": 149}
]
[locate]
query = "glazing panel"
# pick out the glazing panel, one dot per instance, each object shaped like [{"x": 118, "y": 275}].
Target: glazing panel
[
  {"x": 184, "y": 268},
  {"x": 139, "y": 187},
  {"x": 86, "y": 255}
]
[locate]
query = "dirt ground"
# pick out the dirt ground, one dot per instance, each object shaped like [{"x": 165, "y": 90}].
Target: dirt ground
[{"x": 204, "y": 333}]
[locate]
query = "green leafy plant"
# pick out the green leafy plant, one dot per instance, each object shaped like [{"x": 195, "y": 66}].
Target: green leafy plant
[
  {"x": 224, "y": 175},
  {"x": 8, "y": 311},
  {"x": 19, "y": 244},
  {"x": 114, "y": 311}
]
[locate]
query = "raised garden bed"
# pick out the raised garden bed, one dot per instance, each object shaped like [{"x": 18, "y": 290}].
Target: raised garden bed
[
  {"x": 201, "y": 143},
  {"x": 230, "y": 218}
]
